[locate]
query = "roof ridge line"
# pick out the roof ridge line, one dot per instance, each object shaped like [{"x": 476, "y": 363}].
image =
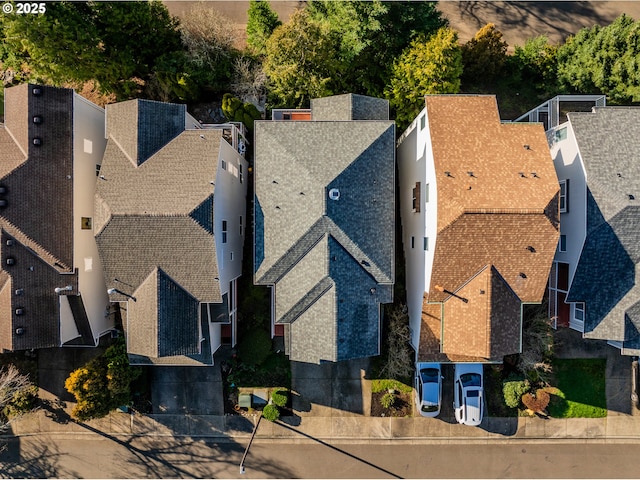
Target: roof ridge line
[
  {"x": 305, "y": 303},
  {"x": 349, "y": 245},
  {"x": 35, "y": 247},
  {"x": 519, "y": 211},
  {"x": 124, "y": 152},
  {"x": 26, "y": 155}
]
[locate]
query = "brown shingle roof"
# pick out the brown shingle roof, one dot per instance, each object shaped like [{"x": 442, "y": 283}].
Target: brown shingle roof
[{"x": 497, "y": 206}]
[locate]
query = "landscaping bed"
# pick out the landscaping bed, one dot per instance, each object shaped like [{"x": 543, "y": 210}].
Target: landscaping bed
[{"x": 397, "y": 404}]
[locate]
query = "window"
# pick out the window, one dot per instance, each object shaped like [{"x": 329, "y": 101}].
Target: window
[
  {"x": 224, "y": 231},
  {"x": 413, "y": 242},
  {"x": 231, "y": 256},
  {"x": 564, "y": 196},
  {"x": 562, "y": 244},
  {"x": 85, "y": 223},
  {"x": 286, "y": 116},
  {"x": 416, "y": 197},
  {"x": 241, "y": 176},
  {"x": 426, "y": 243},
  {"x": 97, "y": 170},
  {"x": 561, "y": 134},
  {"x": 88, "y": 146},
  {"x": 423, "y": 122},
  {"x": 224, "y": 165},
  {"x": 578, "y": 311},
  {"x": 426, "y": 193},
  {"x": 240, "y": 225}
]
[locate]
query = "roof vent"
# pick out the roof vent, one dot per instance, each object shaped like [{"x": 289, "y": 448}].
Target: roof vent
[
  {"x": 534, "y": 174},
  {"x": 522, "y": 175},
  {"x": 19, "y": 331},
  {"x": 631, "y": 197},
  {"x": 11, "y": 261},
  {"x": 448, "y": 174},
  {"x": 527, "y": 147},
  {"x": 37, "y": 141},
  {"x": 531, "y": 249},
  {"x": 19, "y": 311},
  {"x": 523, "y": 275},
  {"x": 372, "y": 291},
  {"x": 9, "y": 242},
  {"x": 37, "y": 91},
  {"x": 3, "y": 202},
  {"x": 37, "y": 119},
  {"x": 334, "y": 194},
  {"x": 20, "y": 291},
  {"x": 619, "y": 175},
  {"x": 481, "y": 292},
  {"x": 470, "y": 174}
]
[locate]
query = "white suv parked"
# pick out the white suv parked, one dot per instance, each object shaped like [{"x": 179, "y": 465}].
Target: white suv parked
[{"x": 468, "y": 393}]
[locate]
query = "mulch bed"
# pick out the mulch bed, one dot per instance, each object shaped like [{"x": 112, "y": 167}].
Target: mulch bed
[{"x": 402, "y": 408}]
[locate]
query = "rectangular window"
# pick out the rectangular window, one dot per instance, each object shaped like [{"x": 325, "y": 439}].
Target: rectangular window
[
  {"x": 224, "y": 231},
  {"x": 97, "y": 170},
  {"x": 286, "y": 116},
  {"x": 426, "y": 193},
  {"x": 224, "y": 165},
  {"x": 88, "y": 146},
  {"x": 578, "y": 311},
  {"x": 561, "y": 134},
  {"x": 423, "y": 122},
  {"x": 231, "y": 256},
  {"x": 413, "y": 242},
  {"x": 426, "y": 243},
  {"x": 562, "y": 244},
  {"x": 564, "y": 196},
  {"x": 85, "y": 223},
  {"x": 240, "y": 225},
  {"x": 416, "y": 197},
  {"x": 241, "y": 175}
]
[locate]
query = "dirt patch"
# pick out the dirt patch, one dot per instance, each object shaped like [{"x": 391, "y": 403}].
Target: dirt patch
[{"x": 403, "y": 406}]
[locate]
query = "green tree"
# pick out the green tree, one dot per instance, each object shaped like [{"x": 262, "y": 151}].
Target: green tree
[
  {"x": 427, "y": 66},
  {"x": 483, "y": 58},
  {"x": 301, "y": 61},
  {"x": 603, "y": 60},
  {"x": 372, "y": 35},
  {"x": 103, "y": 384},
  {"x": 115, "y": 43},
  {"x": 236, "y": 111},
  {"x": 261, "y": 23},
  {"x": 536, "y": 63}
]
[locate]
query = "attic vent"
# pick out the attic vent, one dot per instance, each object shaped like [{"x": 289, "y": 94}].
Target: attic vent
[
  {"x": 37, "y": 141},
  {"x": 19, "y": 311},
  {"x": 11, "y": 261},
  {"x": 3, "y": 202},
  {"x": 19, "y": 331},
  {"x": 523, "y": 275},
  {"x": 631, "y": 197},
  {"x": 20, "y": 291},
  {"x": 36, "y": 91},
  {"x": 334, "y": 194},
  {"x": 9, "y": 242},
  {"x": 37, "y": 119}
]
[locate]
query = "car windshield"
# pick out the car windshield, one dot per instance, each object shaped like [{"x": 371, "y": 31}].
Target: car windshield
[
  {"x": 429, "y": 374},
  {"x": 429, "y": 408},
  {"x": 471, "y": 380}
]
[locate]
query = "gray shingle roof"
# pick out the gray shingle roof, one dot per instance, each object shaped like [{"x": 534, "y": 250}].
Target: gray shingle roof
[
  {"x": 331, "y": 261},
  {"x": 349, "y": 106},
  {"x": 37, "y": 183},
  {"x": 607, "y": 277},
  {"x": 156, "y": 215}
]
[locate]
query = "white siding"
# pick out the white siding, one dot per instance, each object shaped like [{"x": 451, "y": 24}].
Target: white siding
[
  {"x": 88, "y": 129},
  {"x": 415, "y": 164},
  {"x": 568, "y": 164}
]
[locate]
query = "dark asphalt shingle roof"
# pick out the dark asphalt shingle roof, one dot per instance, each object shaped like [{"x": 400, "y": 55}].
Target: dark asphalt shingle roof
[
  {"x": 37, "y": 183},
  {"x": 154, "y": 224},
  {"x": 606, "y": 277},
  {"x": 331, "y": 261}
]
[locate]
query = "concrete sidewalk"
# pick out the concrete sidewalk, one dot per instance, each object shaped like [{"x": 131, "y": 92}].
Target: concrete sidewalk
[{"x": 341, "y": 429}]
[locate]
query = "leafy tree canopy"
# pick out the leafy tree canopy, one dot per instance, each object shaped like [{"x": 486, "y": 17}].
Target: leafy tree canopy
[
  {"x": 301, "y": 61},
  {"x": 604, "y": 60},
  {"x": 115, "y": 43},
  {"x": 261, "y": 23},
  {"x": 427, "y": 66},
  {"x": 484, "y": 58}
]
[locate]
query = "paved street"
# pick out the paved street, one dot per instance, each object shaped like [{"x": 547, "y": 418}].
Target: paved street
[{"x": 44, "y": 457}]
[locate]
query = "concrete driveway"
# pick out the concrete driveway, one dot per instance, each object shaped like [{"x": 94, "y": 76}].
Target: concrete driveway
[{"x": 187, "y": 390}]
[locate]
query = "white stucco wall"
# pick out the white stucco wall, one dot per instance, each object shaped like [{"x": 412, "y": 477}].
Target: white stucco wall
[
  {"x": 568, "y": 164},
  {"x": 415, "y": 164},
  {"x": 88, "y": 147}
]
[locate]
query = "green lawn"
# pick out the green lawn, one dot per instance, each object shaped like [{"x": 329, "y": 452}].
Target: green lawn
[{"x": 580, "y": 388}]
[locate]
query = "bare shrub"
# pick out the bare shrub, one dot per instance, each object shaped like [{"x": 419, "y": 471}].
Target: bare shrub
[
  {"x": 398, "y": 355},
  {"x": 249, "y": 82},
  {"x": 536, "y": 402},
  {"x": 208, "y": 35}
]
